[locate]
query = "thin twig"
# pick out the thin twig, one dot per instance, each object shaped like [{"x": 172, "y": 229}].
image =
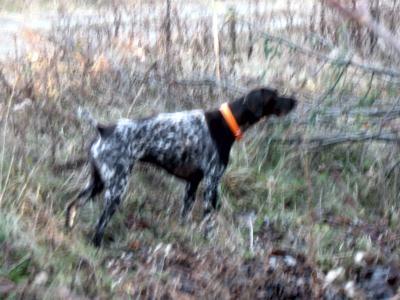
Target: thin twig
[
  {"x": 361, "y": 14},
  {"x": 336, "y": 61},
  {"x": 141, "y": 85},
  {"x": 390, "y": 170},
  {"x": 215, "y": 33},
  {"x": 334, "y": 85},
  {"x": 6, "y": 85},
  {"x": 318, "y": 142}
]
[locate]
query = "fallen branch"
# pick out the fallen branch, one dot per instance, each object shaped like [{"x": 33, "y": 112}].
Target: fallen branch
[
  {"x": 330, "y": 115},
  {"x": 372, "y": 112},
  {"x": 325, "y": 141}
]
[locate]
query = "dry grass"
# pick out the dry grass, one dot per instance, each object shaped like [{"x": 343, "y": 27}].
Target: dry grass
[{"x": 135, "y": 59}]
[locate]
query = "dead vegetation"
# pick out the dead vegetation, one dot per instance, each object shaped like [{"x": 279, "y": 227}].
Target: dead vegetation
[{"x": 309, "y": 204}]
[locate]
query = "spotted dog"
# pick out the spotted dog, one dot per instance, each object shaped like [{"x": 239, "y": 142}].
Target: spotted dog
[{"x": 192, "y": 145}]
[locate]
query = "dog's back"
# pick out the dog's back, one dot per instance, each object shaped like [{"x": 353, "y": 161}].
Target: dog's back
[{"x": 178, "y": 142}]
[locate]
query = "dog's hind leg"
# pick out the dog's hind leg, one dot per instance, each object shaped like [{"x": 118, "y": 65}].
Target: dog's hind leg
[
  {"x": 94, "y": 187},
  {"x": 210, "y": 195},
  {"x": 113, "y": 196},
  {"x": 188, "y": 200}
]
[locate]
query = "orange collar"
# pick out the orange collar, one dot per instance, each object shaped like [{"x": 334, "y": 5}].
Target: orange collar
[{"x": 231, "y": 121}]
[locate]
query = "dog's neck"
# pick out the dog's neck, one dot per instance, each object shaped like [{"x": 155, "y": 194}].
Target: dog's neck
[
  {"x": 242, "y": 114},
  {"x": 220, "y": 131}
]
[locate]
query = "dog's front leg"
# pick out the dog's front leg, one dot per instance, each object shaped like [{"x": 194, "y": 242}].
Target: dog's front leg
[{"x": 210, "y": 203}]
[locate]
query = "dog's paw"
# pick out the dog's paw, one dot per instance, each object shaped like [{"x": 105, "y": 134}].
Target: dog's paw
[{"x": 96, "y": 241}]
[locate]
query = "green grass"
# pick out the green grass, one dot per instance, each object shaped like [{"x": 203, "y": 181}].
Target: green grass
[
  {"x": 263, "y": 177},
  {"x": 270, "y": 183},
  {"x": 311, "y": 206}
]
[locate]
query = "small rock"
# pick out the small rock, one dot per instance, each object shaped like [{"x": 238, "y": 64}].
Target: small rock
[
  {"x": 41, "y": 278},
  {"x": 23, "y": 105},
  {"x": 167, "y": 249},
  {"x": 273, "y": 262},
  {"x": 363, "y": 258},
  {"x": 158, "y": 247},
  {"x": 290, "y": 260},
  {"x": 110, "y": 263},
  {"x": 359, "y": 258},
  {"x": 6, "y": 286},
  {"x": 300, "y": 281},
  {"x": 350, "y": 289},
  {"x": 334, "y": 275}
]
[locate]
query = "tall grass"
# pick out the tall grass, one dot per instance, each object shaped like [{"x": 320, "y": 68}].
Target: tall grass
[{"x": 143, "y": 58}]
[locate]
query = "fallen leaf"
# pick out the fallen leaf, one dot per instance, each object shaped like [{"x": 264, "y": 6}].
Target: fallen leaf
[
  {"x": 134, "y": 245},
  {"x": 6, "y": 286}
]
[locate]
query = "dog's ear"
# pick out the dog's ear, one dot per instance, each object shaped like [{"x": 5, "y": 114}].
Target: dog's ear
[
  {"x": 268, "y": 92},
  {"x": 255, "y": 102}
]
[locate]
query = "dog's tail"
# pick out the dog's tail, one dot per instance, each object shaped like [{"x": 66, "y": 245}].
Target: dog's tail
[
  {"x": 85, "y": 115},
  {"x": 69, "y": 165}
]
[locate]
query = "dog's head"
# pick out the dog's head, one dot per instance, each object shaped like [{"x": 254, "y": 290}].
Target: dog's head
[{"x": 264, "y": 102}]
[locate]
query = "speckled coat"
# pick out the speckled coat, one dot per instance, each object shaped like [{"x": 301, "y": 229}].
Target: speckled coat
[{"x": 192, "y": 145}]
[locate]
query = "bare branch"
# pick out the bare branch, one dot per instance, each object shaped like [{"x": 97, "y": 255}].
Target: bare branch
[
  {"x": 335, "y": 61},
  {"x": 141, "y": 86},
  {"x": 362, "y": 16},
  {"x": 6, "y": 85}
]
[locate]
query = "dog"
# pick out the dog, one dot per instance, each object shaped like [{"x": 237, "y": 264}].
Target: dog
[{"x": 192, "y": 145}]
